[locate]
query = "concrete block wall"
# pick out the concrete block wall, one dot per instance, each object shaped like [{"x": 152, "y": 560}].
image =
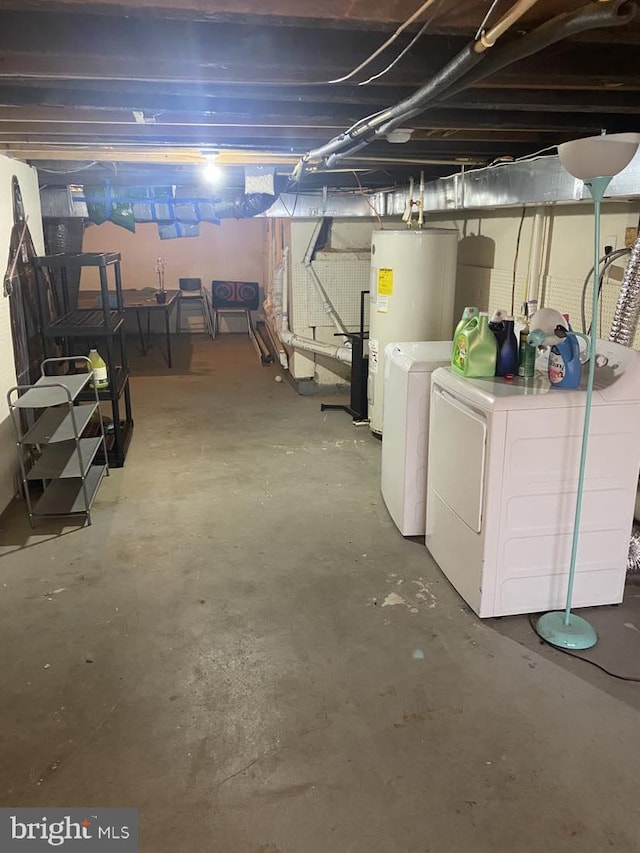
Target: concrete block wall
[
  {"x": 486, "y": 260},
  {"x": 487, "y": 254}
]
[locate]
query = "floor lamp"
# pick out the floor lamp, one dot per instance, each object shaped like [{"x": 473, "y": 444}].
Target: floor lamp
[{"x": 594, "y": 160}]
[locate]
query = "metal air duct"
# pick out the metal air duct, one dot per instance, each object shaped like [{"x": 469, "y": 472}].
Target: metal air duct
[{"x": 625, "y": 318}]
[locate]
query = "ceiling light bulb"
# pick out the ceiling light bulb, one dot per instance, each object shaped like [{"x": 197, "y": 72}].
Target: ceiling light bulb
[{"x": 212, "y": 173}]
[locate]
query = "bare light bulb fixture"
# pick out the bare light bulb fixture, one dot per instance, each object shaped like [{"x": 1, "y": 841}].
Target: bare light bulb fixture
[
  {"x": 594, "y": 160},
  {"x": 212, "y": 173}
]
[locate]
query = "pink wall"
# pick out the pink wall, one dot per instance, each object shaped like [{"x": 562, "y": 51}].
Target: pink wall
[{"x": 235, "y": 249}]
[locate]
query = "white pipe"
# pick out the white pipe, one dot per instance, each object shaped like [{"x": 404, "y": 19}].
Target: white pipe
[
  {"x": 324, "y": 296},
  {"x": 534, "y": 272},
  {"x": 421, "y": 202},
  {"x": 278, "y": 311}
]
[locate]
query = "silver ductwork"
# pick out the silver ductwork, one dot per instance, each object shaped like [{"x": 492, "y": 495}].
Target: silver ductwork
[
  {"x": 633, "y": 558},
  {"x": 625, "y": 318},
  {"x": 535, "y": 181}
]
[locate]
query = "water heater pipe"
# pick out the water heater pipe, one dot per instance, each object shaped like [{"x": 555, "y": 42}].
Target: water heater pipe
[
  {"x": 307, "y": 261},
  {"x": 277, "y": 309},
  {"x": 535, "y": 257}
]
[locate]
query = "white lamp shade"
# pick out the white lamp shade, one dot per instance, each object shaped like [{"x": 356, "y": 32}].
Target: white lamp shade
[{"x": 598, "y": 156}]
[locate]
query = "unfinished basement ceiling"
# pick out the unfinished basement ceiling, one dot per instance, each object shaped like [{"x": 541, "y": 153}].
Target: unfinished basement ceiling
[{"x": 139, "y": 93}]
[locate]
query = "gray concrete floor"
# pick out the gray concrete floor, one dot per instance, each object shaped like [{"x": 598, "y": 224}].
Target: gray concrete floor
[{"x": 215, "y": 651}]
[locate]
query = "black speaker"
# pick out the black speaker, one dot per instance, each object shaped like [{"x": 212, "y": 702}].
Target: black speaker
[{"x": 236, "y": 294}]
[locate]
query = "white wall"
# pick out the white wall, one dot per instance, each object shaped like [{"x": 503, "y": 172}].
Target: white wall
[
  {"x": 487, "y": 251},
  {"x": 486, "y": 256},
  {"x": 29, "y": 186},
  {"x": 343, "y": 267}
]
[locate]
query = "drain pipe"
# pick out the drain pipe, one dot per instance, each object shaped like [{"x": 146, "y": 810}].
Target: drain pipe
[
  {"x": 278, "y": 311},
  {"x": 535, "y": 257},
  {"x": 307, "y": 261}
]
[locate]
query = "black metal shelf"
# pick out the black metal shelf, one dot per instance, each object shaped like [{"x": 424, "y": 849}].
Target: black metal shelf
[
  {"x": 84, "y": 259},
  {"x": 117, "y": 380},
  {"x": 117, "y": 451},
  {"x": 101, "y": 324},
  {"x": 85, "y": 322}
]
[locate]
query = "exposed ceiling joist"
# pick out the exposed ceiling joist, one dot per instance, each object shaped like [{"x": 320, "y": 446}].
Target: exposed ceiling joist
[{"x": 111, "y": 80}]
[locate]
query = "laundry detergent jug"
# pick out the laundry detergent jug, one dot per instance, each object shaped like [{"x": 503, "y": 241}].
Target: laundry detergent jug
[
  {"x": 565, "y": 369},
  {"x": 468, "y": 314},
  {"x": 475, "y": 348}
]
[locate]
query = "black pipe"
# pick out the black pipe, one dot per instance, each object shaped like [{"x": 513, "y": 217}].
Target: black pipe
[
  {"x": 613, "y": 13},
  {"x": 462, "y": 70}
]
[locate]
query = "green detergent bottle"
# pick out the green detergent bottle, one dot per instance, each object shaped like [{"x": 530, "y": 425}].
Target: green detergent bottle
[
  {"x": 475, "y": 348},
  {"x": 468, "y": 314}
]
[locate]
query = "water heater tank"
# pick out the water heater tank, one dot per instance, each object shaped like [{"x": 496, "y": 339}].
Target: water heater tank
[{"x": 413, "y": 276}]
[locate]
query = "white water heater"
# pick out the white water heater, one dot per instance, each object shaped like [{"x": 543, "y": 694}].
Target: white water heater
[{"x": 413, "y": 276}]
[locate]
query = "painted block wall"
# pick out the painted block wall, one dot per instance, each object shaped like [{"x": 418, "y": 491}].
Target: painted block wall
[
  {"x": 487, "y": 252},
  {"x": 234, "y": 250},
  {"x": 486, "y": 260},
  {"x": 343, "y": 267},
  {"x": 30, "y": 195}
]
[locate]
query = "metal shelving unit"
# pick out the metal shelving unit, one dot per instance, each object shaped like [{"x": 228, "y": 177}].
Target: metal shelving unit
[
  {"x": 104, "y": 324},
  {"x": 53, "y": 449}
]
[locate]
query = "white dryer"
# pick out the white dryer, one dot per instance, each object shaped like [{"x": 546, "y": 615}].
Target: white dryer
[
  {"x": 405, "y": 435},
  {"x": 502, "y": 481}
]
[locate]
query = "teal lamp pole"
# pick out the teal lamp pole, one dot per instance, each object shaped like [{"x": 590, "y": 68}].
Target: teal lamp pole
[{"x": 595, "y": 160}]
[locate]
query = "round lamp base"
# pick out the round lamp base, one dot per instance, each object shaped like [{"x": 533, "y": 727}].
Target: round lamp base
[{"x": 578, "y": 634}]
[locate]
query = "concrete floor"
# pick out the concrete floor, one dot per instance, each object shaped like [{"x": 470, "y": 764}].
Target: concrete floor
[{"x": 216, "y": 652}]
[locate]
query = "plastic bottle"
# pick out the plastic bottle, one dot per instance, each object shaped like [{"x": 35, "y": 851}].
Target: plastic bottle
[
  {"x": 507, "y": 361},
  {"x": 468, "y": 314},
  {"x": 526, "y": 355},
  {"x": 475, "y": 349},
  {"x": 99, "y": 378},
  {"x": 564, "y": 363},
  {"x": 496, "y": 324}
]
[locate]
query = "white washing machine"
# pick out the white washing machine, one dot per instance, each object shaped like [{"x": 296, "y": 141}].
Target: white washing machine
[
  {"x": 502, "y": 481},
  {"x": 405, "y": 435}
]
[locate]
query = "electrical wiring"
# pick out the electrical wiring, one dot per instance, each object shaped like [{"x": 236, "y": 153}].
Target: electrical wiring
[
  {"x": 485, "y": 19},
  {"x": 68, "y": 171},
  {"x": 383, "y": 47},
  {"x": 368, "y": 200},
  {"x": 515, "y": 261},
  {"x": 630, "y": 678},
  {"x": 535, "y": 155},
  {"x": 607, "y": 260},
  {"x": 399, "y": 56}
]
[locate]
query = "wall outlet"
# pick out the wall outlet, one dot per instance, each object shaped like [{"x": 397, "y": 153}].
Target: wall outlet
[{"x": 630, "y": 237}]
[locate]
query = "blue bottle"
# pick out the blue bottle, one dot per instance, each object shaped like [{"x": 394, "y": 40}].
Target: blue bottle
[
  {"x": 564, "y": 363},
  {"x": 507, "y": 361}
]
